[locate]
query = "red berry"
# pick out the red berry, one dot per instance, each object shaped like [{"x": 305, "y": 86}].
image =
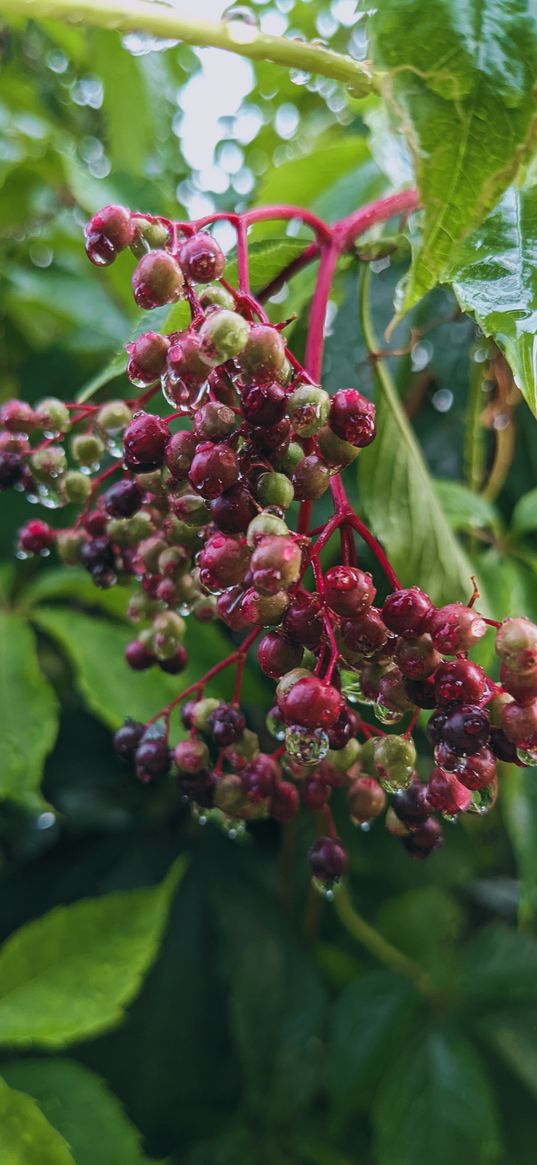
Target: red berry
[
  {"x": 214, "y": 469},
  {"x": 123, "y": 499},
  {"x": 259, "y": 778},
  {"x": 315, "y": 793},
  {"x": 455, "y": 628},
  {"x": 223, "y": 561},
  {"x": 177, "y": 663},
  {"x": 264, "y": 404},
  {"x": 18, "y": 417},
  {"x": 303, "y": 620},
  {"x": 367, "y": 799},
  {"x": 520, "y": 722},
  {"x": 344, "y": 728},
  {"x": 423, "y": 841},
  {"x": 147, "y": 358},
  {"x": 416, "y": 657},
  {"x": 328, "y": 860},
  {"x": 157, "y": 280},
  {"x": 277, "y": 655},
  {"x": 201, "y": 258},
  {"x": 284, "y": 801},
  {"x": 521, "y": 685},
  {"x": 152, "y": 758},
  {"x": 36, "y": 537},
  {"x": 466, "y": 728},
  {"x": 312, "y": 703},
  {"x": 365, "y": 634},
  {"x": 348, "y": 591},
  {"x": 406, "y": 611},
  {"x": 446, "y": 794},
  {"x": 138, "y": 656},
  {"x": 459, "y": 681},
  {"x": 478, "y": 770},
  {"x": 180, "y": 450},
  {"x": 145, "y": 441},
  {"x": 115, "y": 224},
  {"x": 421, "y": 692},
  {"x": 352, "y": 417},
  {"x": 233, "y": 511}
]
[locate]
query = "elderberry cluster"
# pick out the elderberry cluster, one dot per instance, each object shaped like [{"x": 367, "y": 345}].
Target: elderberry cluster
[{"x": 196, "y": 511}]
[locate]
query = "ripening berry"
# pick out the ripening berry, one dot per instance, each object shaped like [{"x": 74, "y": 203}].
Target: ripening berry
[
  {"x": 145, "y": 440},
  {"x": 312, "y": 703},
  {"x": 303, "y": 620},
  {"x": 348, "y": 591},
  {"x": 459, "y": 681},
  {"x": 179, "y": 452},
  {"x": 233, "y": 511},
  {"x": 311, "y": 478},
  {"x": 127, "y": 739},
  {"x": 411, "y": 805},
  {"x": 157, "y": 279},
  {"x": 502, "y": 747},
  {"x": 367, "y": 800},
  {"x": 277, "y": 655},
  {"x": 36, "y": 537},
  {"x": 274, "y": 438},
  {"x": 114, "y": 224},
  {"x": 175, "y": 664},
  {"x": 455, "y": 628},
  {"x": 152, "y": 758},
  {"x": 226, "y": 725},
  {"x": 147, "y": 358},
  {"x": 337, "y": 453},
  {"x": 201, "y": 258},
  {"x": 114, "y": 416},
  {"x": 264, "y": 610},
  {"x": 275, "y": 564},
  {"x": 446, "y": 794},
  {"x": 520, "y": 722},
  {"x": 343, "y": 729},
  {"x": 263, "y": 357},
  {"x": 466, "y": 728},
  {"x": 394, "y": 760},
  {"x": 521, "y": 685},
  {"x": 352, "y": 417},
  {"x": 223, "y": 335},
  {"x": 259, "y": 778},
  {"x": 328, "y": 860},
  {"x": 416, "y": 657},
  {"x": 214, "y": 469},
  {"x": 186, "y": 368},
  {"x": 138, "y": 656},
  {"x": 18, "y": 417},
  {"x": 365, "y": 634},
  {"x": 191, "y": 756},
  {"x": 123, "y": 499},
  {"x": 478, "y": 770},
  {"x": 516, "y": 644},
  {"x": 406, "y": 611},
  {"x": 308, "y": 409},
  {"x": 223, "y": 561},
  {"x": 214, "y": 421},
  {"x": 423, "y": 841}
]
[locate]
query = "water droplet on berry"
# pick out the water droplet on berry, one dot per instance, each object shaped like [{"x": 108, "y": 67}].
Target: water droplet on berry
[
  {"x": 308, "y": 746},
  {"x": 49, "y": 498},
  {"x": 351, "y": 689},
  {"x": 387, "y": 715},
  {"x": 114, "y": 445},
  {"x": 325, "y": 891},
  {"x": 482, "y": 800},
  {"x": 528, "y": 756},
  {"x": 275, "y": 725}
]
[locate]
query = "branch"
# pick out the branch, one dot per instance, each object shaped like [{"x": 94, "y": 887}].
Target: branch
[{"x": 247, "y": 41}]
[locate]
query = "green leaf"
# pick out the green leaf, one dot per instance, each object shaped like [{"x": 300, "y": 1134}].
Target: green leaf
[
  {"x": 459, "y": 80},
  {"x": 494, "y": 277},
  {"x": 435, "y": 1105},
  {"x": 512, "y": 1033},
  {"x": 26, "y": 1138},
  {"x": 369, "y": 1021},
  {"x": 499, "y": 964},
  {"x": 111, "y": 690},
  {"x": 518, "y": 791},
  {"x": 75, "y": 1100},
  {"x": 425, "y": 924},
  {"x": 126, "y": 108},
  {"x": 70, "y": 974},
  {"x": 524, "y": 518},
  {"x": 71, "y": 582},
  {"x": 301, "y": 180},
  {"x": 164, "y": 319},
  {"x": 267, "y": 259},
  {"x": 464, "y": 509},
  {"x": 399, "y": 498},
  {"x": 28, "y": 712}
]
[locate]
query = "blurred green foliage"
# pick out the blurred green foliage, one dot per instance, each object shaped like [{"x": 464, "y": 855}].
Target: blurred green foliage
[{"x": 264, "y": 1031}]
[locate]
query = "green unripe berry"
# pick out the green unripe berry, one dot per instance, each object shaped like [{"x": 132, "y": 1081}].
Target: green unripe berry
[
  {"x": 149, "y": 235},
  {"x": 68, "y": 544},
  {"x": 263, "y": 525},
  {"x": 173, "y": 560},
  {"x": 129, "y": 531},
  {"x": 263, "y": 355},
  {"x": 336, "y": 451},
  {"x": 285, "y": 375},
  {"x": 308, "y": 408},
  {"x": 342, "y": 759},
  {"x": 311, "y": 478},
  {"x": 223, "y": 335},
  {"x": 292, "y": 456},
  {"x": 228, "y": 795},
  {"x": 76, "y": 487},
  {"x": 114, "y": 416},
  {"x": 47, "y": 465},
  {"x": 214, "y": 295},
  {"x": 180, "y": 533},
  {"x": 87, "y": 449},
  {"x": 52, "y": 415},
  {"x": 247, "y": 746},
  {"x": 395, "y": 761},
  {"x": 167, "y": 632},
  {"x": 202, "y": 711},
  {"x": 275, "y": 489},
  {"x": 367, "y": 758},
  {"x": 141, "y": 606}
]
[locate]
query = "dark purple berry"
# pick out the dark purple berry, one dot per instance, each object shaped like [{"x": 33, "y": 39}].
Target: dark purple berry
[
  {"x": 226, "y": 724},
  {"x": 466, "y": 729},
  {"x": 328, "y": 860},
  {"x": 123, "y": 499},
  {"x": 127, "y": 739},
  {"x": 11, "y": 467},
  {"x": 152, "y": 758}
]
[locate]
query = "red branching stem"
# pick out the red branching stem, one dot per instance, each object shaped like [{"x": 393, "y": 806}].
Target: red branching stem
[
  {"x": 375, "y": 546},
  {"x": 97, "y": 483},
  {"x": 315, "y": 341},
  {"x": 310, "y": 253},
  {"x": 235, "y": 657}
]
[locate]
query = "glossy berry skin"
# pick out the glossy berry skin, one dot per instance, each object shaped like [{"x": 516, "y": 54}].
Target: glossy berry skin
[
  {"x": 97, "y": 555},
  {"x": 214, "y": 469},
  {"x": 455, "y": 628},
  {"x": 436, "y": 725},
  {"x": 520, "y": 722},
  {"x": 176, "y": 663},
  {"x": 11, "y": 469},
  {"x": 179, "y": 452},
  {"x": 516, "y": 644},
  {"x": 423, "y": 841},
  {"x": 521, "y": 685},
  {"x": 201, "y": 258},
  {"x": 466, "y": 729},
  {"x": 147, "y": 358},
  {"x": 344, "y": 728},
  {"x": 459, "y": 681},
  {"x": 478, "y": 770},
  {"x": 502, "y": 747},
  {"x": 123, "y": 499},
  {"x": 36, "y": 537},
  {"x": 138, "y": 656},
  {"x": 352, "y": 417},
  {"x": 233, "y": 510},
  {"x": 417, "y": 657},
  {"x": 303, "y": 620},
  {"x": 264, "y": 404},
  {"x": 411, "y": 805},
  {"x": 421, "y": 692},
  {"x": 18, "y": 417},
  {"x": 145, "y": 441},
  {"x": 223, "y": 561},
  {"x": 328, "y": 860},
  {"x": 312, "y": 703},
  {"x": 127, "y": 738},
  {"x": 157, "y": 280},
  {"x": 365, "y": 634},
  {"x": 152, "y": 758},
  {"x": 406, "y": 611},
  {"x": 226, "y": 725},
  {"x": 113, "y": 223},
  {"x": 284, "y": 801},
  {"x": 258, "y": 779},
  {"x": 446, "y": 794},
  {"x": 348, "y": 591},
  {"x": 263, "y": 358},
  {"x": 277, "y": 655},
  {"x": 366, "y": 799}
]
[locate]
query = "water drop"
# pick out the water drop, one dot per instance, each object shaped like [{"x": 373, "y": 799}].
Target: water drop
[
  {"x": 306, "y": 745},
  {"x": 299, "y": 76},
  {"x": 387, "y": 715},
  {"x": 528, "y": 756}
]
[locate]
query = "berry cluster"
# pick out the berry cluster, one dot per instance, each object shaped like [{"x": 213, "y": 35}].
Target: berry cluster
[{"x": 207, "y": 511}]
